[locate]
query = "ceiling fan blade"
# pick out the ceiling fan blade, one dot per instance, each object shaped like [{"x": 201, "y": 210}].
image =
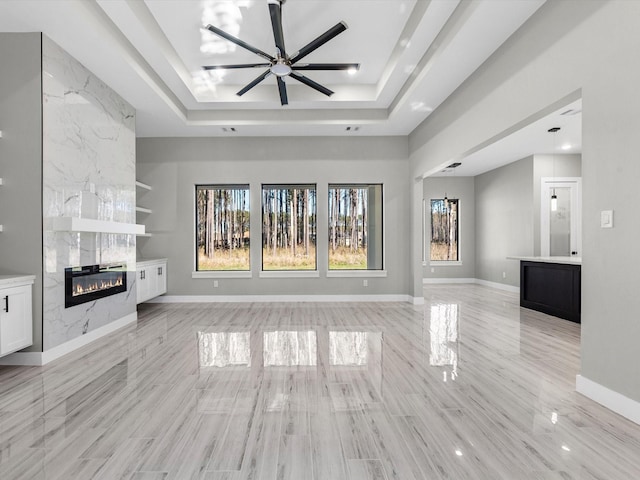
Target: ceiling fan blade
[
  {"x": 239, "y": 42},
  {"x": 282, "y": 88},
  {"x": 326, "y": 66},
  {"x": 231, "y": 67},
  {"x": 254, "y": 83},
  {"x": 275, "y": 9},
  {"x": 318, "y": 42},
  {"x": 311, "y": 83}
]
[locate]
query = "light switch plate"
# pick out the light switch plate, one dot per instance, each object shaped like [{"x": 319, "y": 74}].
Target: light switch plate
[{"x": 606, "y": 219}]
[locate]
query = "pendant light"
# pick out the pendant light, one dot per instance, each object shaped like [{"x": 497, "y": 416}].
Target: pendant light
[
  {"x": 451, "y": 168},
  {"x": 554, "y": 197}
]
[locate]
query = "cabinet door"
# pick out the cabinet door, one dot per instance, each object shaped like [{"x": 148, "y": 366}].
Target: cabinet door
[
  {"x": 15, "y": 319},
  {"x": 161, "y": 278},
  {"x": 142, "y": 280}
]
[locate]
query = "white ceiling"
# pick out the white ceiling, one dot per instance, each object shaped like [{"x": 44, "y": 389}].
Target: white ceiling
[
  {"x": 533, "y": 138},
  {"x": 413, "y": 55}
]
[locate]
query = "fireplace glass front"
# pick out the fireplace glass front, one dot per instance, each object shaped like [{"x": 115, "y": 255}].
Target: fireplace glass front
[{"x": 91, "y": 282}]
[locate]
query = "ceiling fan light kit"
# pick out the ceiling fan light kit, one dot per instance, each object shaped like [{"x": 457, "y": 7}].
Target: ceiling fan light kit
[{"x": 282, "y": 65}]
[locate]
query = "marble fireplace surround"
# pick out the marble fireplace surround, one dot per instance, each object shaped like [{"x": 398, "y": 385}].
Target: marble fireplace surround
[{"x": 88, "y": 197}]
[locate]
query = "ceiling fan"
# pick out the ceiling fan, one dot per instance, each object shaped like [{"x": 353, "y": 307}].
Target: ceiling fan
[{"x": 283, "y": 65}]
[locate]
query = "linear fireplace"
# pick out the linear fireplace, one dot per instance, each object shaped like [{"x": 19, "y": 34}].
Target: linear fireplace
[{"x": 91, "y": 282}]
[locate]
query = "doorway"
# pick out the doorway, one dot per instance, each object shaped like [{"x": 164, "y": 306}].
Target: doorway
[{"x": 560, "y": 224}]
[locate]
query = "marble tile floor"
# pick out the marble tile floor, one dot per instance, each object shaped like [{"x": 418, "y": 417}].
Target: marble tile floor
[{"x": 470, "y": 386}]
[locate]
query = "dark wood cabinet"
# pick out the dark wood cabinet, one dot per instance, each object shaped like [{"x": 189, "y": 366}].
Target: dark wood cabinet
[{"x": 552, "y": 288}]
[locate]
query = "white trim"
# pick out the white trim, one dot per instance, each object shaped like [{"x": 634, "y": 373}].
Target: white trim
[
  {"x": 356, "y": 273},
  {"x": 445, "y": 263},
  {"x": 278, "y": 298},
  {"x": 417, "y": 300},
  {"x": 575, "y": 186},
  {"x": 222, "y": 274},
  {"x": 611, "y": 399},
  {"x": 448, "y": 280},
  {"x": 499, "y": 286},
  {"x": 477, "y": 281},
  {"x": 289, "y": 274},
  {"x": 42, "y": 358}
]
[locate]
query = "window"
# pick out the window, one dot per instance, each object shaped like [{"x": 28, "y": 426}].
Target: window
[
  {"x": 444, "y": 230},
  {"x": 355, "y": 227},
  {"x": 222, "y": 227},
  {"x": 288, "y": 227}
]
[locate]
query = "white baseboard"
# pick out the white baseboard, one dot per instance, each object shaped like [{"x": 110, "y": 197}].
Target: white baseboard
[
  {"x": 278, "y": 298},
  {"x": 499, "y": 286},
  {"x": 417, "y": 300},
  {"x": 42, "y": 358},
  {"x": 477, "y": 281},
  {"x": 606, "y": 397},
  {"x": 428, "y": 281}
]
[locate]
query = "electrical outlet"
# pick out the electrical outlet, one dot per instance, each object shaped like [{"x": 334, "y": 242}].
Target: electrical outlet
[
  {"x": 504, "y": 274},
  {"x": 365, "y": 283},
  {"x": 433, "y": 270},
  {"x": 215, "y": 284}
]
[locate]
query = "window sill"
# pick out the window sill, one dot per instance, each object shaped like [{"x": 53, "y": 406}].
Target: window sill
[
  {"x": 222, "y": 274},
  {"x": 445, "y": 264},
  {"x": 289, "y": 274},
  {"x": 356, "y": 273}
]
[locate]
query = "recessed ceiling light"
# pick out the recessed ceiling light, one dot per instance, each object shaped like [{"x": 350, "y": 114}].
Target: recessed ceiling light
[
  {"x": 229, "y": 129},
  {"x": 566, "y": 146},
  {"x": 352, "y": 129},
  {"x": 352, "y": 71}
]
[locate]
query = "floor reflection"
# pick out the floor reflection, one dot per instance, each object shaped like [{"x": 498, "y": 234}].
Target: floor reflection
[
  {"x": 224, "y": 349},
  {"x": 290, "y": 348},
  {"x": 348, "y": 348},
  {"x": 443, "y": 330}
]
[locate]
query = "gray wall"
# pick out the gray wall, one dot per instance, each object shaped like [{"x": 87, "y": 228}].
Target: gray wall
[
  {"x": 172, "y": 166},
  {"x": 463, "y": 189},
  {"x": 504, "y": 221},
  {"x": 21, "y": 163},
  {"x": 550, "y": 166},
  {"x": 566, "y": 50}
]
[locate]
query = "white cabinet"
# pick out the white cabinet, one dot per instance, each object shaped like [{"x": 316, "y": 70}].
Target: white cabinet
[
  {"x": 151, "y": 279},
  {"x": 16, "y": 320}
]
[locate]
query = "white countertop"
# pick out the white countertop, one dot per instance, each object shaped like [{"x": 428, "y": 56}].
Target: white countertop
[
  {"x": 12, "y": 280},
  {"x": 145, "y": 262},
  {"x": 562, "y": 260}
]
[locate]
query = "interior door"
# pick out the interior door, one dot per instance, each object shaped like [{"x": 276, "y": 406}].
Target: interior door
[{"x": 560, "y": 228}]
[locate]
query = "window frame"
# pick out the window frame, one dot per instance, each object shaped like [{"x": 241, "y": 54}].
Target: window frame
[
  {"x": 357, "y": 272},
  {"x": 245, "y": 273},
  {"x": 444, "y": 263},
  {"x": 289, "y": 273}
]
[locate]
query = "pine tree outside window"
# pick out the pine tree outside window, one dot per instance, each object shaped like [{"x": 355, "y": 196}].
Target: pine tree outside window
[
  {"x": 355, "y": 227},
  {"x": 288, "y": 227},
  {"x": 444, "y": 230},
  {"x": 222, "y": 228}
]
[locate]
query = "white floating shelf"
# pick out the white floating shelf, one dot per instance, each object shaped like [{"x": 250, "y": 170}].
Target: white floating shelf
[
  {"x": 143, "y": 186},
  {"x": 142, "y": 210},
  {"x": 73, "y": 224},
  {"x": 145, "y": 235}
]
